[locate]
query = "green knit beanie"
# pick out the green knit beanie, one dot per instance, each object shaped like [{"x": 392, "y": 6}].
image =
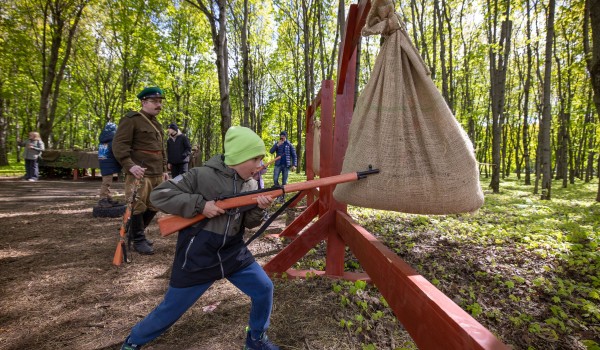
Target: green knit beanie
[{"x": 242, "y": 144}]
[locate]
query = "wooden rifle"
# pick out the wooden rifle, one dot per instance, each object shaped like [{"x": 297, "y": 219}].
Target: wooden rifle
[
  {"x": 172, "y": 223},
  {"x": 121, "y": 251}
]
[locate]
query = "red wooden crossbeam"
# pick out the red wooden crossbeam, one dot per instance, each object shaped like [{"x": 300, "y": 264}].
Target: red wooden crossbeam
[{"x": 292, "y": 230}]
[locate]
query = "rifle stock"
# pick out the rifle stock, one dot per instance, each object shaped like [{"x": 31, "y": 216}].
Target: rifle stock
[
  {"x": 121, "y": 251},
  {"x": 119, "y": 256},
  {"x": 172, "y": 223}
]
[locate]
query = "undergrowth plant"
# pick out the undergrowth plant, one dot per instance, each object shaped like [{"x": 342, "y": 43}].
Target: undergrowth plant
[
  {"x": 527, "y": 269},
  {"x": 368, "y": 318}
]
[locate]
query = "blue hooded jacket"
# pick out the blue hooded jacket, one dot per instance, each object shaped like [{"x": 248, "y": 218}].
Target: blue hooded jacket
[{"x": 108, "y": 163}]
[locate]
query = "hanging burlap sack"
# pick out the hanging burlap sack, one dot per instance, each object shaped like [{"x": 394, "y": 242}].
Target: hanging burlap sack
[
  {"x": 317, "y": 148},
  {"x": 402, "y": 126}
]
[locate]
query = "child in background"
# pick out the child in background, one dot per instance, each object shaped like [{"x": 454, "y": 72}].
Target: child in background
[
  {"x": 260, "y": 171},
  {"x": 34, "y": 147},
  {"x": 108, "y": 164}
]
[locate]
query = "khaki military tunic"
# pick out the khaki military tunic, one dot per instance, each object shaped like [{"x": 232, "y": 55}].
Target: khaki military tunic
[{"x": 139, "y": 141}]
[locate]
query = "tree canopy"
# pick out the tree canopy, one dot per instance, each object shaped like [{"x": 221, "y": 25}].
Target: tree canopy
[{"x": 516, "y": 74}]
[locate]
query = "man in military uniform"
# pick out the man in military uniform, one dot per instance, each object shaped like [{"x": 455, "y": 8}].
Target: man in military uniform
[{"x": 138, "y": 146}]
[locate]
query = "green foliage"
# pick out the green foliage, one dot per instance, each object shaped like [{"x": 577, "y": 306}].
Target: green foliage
[
  {"x": 367, "y": 315},
  {"x": 13, "y": 168}
]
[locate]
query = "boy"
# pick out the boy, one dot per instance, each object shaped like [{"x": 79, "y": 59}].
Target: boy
[{"x": 214, "y": 248}]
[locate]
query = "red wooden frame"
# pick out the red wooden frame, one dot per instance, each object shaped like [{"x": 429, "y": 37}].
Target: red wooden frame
[{"x": 431, "y": 318}]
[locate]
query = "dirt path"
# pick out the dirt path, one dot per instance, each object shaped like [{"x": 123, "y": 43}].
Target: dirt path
[{"x": 59, "y": 288}]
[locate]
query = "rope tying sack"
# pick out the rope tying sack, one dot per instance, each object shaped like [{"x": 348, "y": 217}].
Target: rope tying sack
[{"x": 403, "y": 126}]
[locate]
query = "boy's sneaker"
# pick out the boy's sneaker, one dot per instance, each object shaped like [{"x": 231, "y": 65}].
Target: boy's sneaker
[
  {"x": 128, "y": 346},
  {"x": 262, "y": 343}
]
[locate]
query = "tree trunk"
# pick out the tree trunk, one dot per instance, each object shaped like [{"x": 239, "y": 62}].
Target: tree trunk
[
  {"x": 446, "y": 73},
  {"x": 4, "y": 103},
  {"x": 592, "y": 9},
  {"x": 526, "y": 88},
  {"x": 546, "y": 122},
  {"x": 245, "y": 68},
  {"x": 498, "y": 68},
  {"x": 589, "y": 140},
  {"x": 61, "y": 21},
  {"x": 467, "y": 101},
  {"x": 419, "y": 20},
  {"x": 309, "y": 84},
  {"x": 219, "y": 38}
]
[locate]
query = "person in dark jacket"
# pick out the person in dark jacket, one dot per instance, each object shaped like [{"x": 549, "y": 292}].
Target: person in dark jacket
[
  {"x": 284, "y": 149},
  {"x": 214, "y": 248},
  {"x": 178, "y": 151},
  {"x": 108, "y": 164}
]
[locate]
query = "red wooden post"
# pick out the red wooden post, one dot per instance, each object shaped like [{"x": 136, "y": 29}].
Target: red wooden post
[
  {"x": 310, "y": 174},
  {"x": 326, "y": 155}
]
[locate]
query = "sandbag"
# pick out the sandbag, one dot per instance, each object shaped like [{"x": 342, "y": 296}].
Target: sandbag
[
  {"x": 317, "y": 148},
  {"x": 403, "y": 126}
]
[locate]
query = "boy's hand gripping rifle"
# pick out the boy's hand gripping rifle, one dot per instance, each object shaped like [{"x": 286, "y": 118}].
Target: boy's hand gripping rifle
[
  {"x": 172, "y": 223},
  {"x": 121, "y": 251}
]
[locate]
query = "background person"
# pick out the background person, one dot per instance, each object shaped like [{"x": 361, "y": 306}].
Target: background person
[
  {"x": 138, "y": 146},
  {"x": 178, "y": 151},
  {"x": 108, "y": 164},
  {"x": 284, "y": 149},
  {"x": 34, "y": 147},
  {"x": 214, "y": 249},
  {"x": 195, "y": 159}
]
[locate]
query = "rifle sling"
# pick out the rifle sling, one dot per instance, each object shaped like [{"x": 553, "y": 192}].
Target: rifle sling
[{"x": 271, "y": 219}]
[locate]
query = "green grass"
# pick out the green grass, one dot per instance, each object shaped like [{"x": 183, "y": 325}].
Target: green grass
[
  {"x": 13, "y": 168},
  {"x": 292, "y": 177}
]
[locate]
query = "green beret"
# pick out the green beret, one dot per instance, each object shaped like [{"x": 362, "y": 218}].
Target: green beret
[{"x": 151, "y": 92}]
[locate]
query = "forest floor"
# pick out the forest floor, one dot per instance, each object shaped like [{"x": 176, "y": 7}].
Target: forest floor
[{"x": 59, "y": 288}]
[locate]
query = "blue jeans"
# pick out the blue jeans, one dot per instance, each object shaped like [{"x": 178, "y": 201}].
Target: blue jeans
[
  {"x": 283, "y": 170},
  {"x": 252, "y": 280},
  {"x": 32, "y": 169},
  {"x": 178, "y": 169}
]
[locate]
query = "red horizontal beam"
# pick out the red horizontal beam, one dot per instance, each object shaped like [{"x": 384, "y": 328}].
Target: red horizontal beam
[
  {"x": 301, "y": 221},
  {"x": 301, "y": 245},
  {"x": 347, "y": 276},
  {"x": 430, "y": 317}
]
